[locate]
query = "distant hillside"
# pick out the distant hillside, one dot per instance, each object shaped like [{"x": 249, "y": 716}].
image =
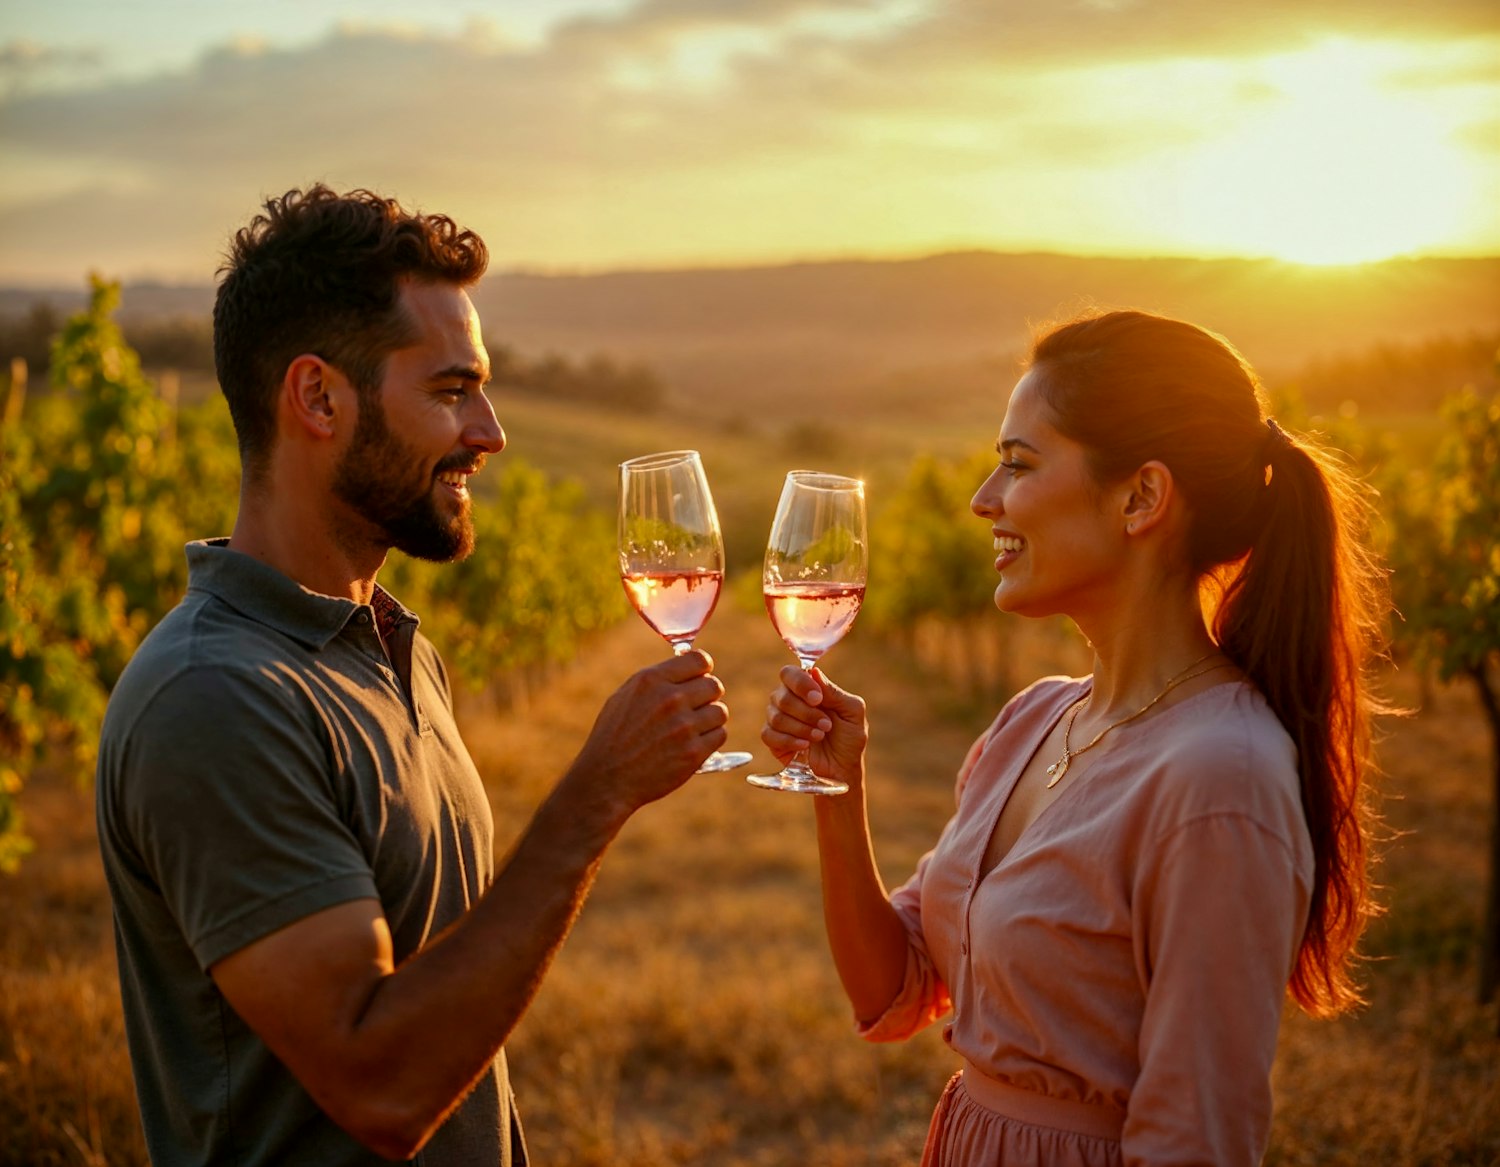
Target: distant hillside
[{"x": 740, "y": 341}]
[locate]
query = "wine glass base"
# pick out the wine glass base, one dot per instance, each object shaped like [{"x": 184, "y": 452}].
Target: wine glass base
[
  {"x": 722, "y": 760},
  {"x": 797, "y": 783}
]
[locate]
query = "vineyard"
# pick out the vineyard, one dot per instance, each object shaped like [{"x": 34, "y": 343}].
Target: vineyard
[
  {"x": 105, "y": 474},
  {"x": 102, "y": 481}
]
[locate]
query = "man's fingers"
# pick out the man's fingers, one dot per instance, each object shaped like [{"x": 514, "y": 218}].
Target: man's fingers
[
  {"x": 693, "y": 663},
  {"x": 702, "y": 691},
  {"x": 714, "y": 715}
]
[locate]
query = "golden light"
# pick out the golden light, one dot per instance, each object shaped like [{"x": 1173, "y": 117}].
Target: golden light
[{"x": 1333, "y": 165}]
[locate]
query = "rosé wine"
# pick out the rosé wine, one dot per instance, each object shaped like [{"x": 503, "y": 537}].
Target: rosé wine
[
  {"x": 812, "y": 616},
  {"x": 675, "y": 603}
]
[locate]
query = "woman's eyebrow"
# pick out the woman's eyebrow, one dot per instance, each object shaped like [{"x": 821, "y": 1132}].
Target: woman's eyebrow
[{"x": 1010, "y": 444}]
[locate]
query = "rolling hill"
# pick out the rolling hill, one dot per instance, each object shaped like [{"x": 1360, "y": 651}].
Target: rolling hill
[{"x": 738, "y": 342}]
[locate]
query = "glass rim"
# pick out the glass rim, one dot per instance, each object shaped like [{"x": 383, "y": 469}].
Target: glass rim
[
  {"x": 656, "y": 461},
  {"x": 823, "y": 480}
]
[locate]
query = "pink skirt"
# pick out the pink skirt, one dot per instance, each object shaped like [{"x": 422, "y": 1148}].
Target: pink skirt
[{"x": 982, "y": 1122}]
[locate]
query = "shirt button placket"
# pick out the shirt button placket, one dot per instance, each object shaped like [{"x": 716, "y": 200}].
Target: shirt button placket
[{"x": 963, "y": 944}]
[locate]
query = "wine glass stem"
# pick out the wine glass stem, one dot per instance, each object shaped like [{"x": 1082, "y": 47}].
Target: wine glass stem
[{"x": 801, "y": 761}]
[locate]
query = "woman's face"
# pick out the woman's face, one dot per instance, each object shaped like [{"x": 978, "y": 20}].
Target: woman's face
[{"x": 1059, "y": 535}]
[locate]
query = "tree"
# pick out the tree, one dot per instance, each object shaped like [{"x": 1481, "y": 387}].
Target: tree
[
  {"x": 47, "y": 685},
  {"x": 1445, "y": 558},
  {"x": 95, "y": 502}
]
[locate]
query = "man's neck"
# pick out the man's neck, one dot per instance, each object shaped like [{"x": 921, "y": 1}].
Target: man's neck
[{"x": 322, "y": 551}]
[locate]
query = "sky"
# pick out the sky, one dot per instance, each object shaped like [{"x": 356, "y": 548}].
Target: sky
[{"x": 592, "y": 135}]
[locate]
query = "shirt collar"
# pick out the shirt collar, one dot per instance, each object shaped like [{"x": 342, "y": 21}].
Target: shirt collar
[{"x": 267, "y": 596}]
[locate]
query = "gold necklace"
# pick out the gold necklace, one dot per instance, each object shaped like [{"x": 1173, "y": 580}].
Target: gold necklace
[{"x": 1060, "y": 767}]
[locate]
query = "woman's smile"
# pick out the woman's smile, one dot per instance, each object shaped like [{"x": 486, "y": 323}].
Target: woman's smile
[{"x": 1009, "y": 548}]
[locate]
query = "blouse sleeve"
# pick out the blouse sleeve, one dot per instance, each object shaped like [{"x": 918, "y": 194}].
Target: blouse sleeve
[
  {"x": 1219, "y": 915},
  {"x": 923, "y": 997}
]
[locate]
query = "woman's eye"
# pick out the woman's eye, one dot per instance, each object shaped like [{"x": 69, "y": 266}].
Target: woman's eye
[{"x": 1011, "y": 466}]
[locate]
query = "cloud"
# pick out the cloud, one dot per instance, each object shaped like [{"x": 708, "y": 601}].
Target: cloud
[
  {"x": 25, "y": 63},
  {"x": 657, "y": 130},
  {"x": 24, "y": 55}
]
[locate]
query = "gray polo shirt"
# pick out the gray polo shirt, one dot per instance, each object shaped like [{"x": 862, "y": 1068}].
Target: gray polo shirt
[{"x": 263, "y": 757}]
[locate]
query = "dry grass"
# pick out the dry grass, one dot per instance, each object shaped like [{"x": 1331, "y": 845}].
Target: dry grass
[
  {"x": 65, "y": 1087},
  {"x": 694, "y": 1017}
]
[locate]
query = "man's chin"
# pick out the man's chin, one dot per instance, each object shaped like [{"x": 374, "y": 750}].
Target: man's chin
[{"x": 437, "y": 544}]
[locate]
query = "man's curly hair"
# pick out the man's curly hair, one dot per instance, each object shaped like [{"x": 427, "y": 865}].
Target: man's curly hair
[{"x": 319, "y": 272}]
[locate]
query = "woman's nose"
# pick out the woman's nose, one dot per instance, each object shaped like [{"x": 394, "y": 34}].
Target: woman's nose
[{"x": 988, "y": 502}]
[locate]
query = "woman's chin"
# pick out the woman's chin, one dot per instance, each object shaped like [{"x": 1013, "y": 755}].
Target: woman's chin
[
  {"x": 1005, "y": 598},
  {"x": 1014, "y": 602}
]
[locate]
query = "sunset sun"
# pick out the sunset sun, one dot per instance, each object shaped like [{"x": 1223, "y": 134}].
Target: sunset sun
[{"x": 1329, "y": 166}]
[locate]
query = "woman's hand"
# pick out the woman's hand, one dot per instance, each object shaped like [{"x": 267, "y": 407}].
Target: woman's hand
[{"x": 809, "y": 712}]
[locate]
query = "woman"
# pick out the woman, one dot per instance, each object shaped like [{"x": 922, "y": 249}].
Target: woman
[{"x": 1142, "y": 860}]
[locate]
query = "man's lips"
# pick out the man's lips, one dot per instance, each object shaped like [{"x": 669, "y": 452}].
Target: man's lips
[{"x": 455, "y": 475}]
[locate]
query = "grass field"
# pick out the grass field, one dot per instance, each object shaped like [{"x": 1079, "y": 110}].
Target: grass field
[{"x": 694, "y": 1016}]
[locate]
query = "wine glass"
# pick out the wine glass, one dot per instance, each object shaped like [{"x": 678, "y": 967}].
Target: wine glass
[
  {"x": 672, "y": 554},
  {"x": 814, "y": 583}
]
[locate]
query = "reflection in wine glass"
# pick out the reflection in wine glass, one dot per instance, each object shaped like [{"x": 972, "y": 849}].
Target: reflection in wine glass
[
  {"x": 672, "y": 554},
  {"x": 814, "y": 582}
]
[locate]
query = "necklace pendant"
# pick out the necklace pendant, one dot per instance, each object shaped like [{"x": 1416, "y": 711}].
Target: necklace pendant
[{"x": 1057, "y": 770}]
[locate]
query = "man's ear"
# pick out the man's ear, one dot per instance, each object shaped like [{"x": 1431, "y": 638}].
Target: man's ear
[
  {"x": 1148, "y": 498},
  {"x": 309, "y": 395}
]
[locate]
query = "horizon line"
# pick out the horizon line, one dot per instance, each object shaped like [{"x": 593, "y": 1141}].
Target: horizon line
[{"x": 710, "y": 266}]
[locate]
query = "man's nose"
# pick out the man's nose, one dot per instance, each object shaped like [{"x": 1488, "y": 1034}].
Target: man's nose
[{"x": 484, "y": 432}]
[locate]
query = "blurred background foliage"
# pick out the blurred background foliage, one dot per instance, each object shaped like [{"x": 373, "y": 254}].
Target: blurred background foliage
[{"x": 104, "y": 476}]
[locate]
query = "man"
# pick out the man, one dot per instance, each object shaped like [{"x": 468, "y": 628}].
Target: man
[{"x": 318, "y": 962}]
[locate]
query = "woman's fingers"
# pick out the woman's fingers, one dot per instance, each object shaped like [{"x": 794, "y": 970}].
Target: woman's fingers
[{"x": 793, "y": 714}]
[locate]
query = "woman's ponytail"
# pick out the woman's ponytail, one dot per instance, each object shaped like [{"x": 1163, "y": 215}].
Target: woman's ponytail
[{"x": 1300, "y": 614}]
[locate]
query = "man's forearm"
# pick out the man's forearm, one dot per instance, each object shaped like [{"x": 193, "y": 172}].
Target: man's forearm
[{"x": 432, "y": 1026}]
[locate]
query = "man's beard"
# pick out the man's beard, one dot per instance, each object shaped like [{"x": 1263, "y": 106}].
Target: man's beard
[{"x": 381, "y": 477}]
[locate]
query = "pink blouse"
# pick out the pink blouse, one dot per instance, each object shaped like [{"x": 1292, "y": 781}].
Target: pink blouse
[{"x": 1132, "y": 950}]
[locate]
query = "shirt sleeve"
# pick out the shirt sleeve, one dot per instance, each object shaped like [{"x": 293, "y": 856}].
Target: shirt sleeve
[
  {"x": 923, "y": 997},
  {"x": 229, "y": 799},
  {"x": 1219, "y": 911}
]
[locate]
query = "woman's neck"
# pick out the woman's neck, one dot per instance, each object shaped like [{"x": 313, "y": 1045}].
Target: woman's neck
[{"x": 1142, "y": 647}]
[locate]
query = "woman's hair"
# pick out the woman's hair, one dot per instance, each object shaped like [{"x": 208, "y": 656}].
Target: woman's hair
[
  {"x": 1292, "y": 595},
  {"x": 319, "y": 272}
]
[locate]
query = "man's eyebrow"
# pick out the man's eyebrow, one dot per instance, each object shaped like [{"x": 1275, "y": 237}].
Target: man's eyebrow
[
  {"x": 1010, "y": 444},
  {"x": 462, "y": 373}
]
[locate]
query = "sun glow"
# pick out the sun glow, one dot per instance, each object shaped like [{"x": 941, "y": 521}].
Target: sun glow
[{"x": 1333, "y": 164}]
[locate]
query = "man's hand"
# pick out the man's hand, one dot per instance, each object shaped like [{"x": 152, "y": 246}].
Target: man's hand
[{"x": 652, "y": 734}]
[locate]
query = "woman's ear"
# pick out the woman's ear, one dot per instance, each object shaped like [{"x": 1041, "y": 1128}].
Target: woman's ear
[
  {"x": 307, "y": 395},
  {"x": 1149, "y": 493}
]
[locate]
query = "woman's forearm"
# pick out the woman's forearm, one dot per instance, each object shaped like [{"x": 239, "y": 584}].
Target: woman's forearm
[{"x": 866, "y": 935}]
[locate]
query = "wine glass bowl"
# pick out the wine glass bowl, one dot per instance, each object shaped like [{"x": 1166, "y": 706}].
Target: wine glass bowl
[
  {"x": 817, "y": 560},
  {"x": 672, "y": 554}
]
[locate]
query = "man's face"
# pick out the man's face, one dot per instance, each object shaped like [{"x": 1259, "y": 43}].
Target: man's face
[{"x": 424, "y": 431}]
